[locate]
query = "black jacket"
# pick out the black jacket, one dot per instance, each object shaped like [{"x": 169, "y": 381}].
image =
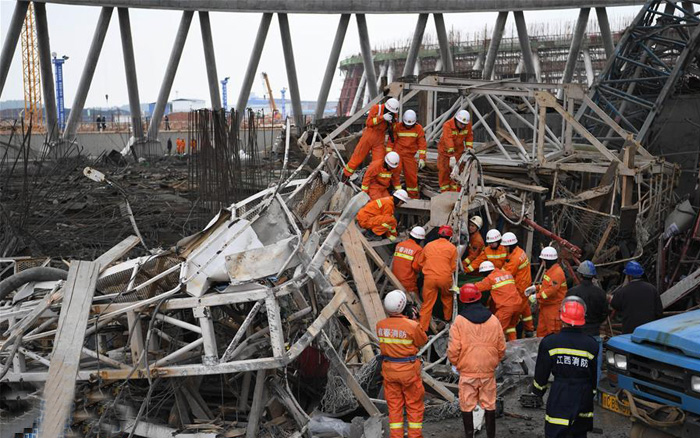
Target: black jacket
[
  {"x": 596, "y": 305},
  {"x": 639, "y": 303},
  {"x": 476, "y": 313}
]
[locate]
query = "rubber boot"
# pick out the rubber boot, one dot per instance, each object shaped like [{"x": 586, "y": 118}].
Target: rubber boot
[
  {"x": 468, "y": 419},
  {"x": 490, "y": 424}
]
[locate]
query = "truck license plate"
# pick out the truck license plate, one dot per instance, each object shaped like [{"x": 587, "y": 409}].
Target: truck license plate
[{"x": 611, "y": 403}]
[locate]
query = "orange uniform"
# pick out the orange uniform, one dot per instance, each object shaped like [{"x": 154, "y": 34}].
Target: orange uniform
[
  {"x": 193, "y": 146},
  {"x": 438, "y": 262},
  {"x": 549, "y": 295},
  {"x": 378, "y": 179},
  {"x": 496, "y": 256},
  {"x": 476, "y": 246},
  {"x": 400, "y": 339},
  {"x": 378, "y": 215},
  {"x": 518, "y": 265},
  {"x": 408, "y": 141},
  {"x": 506, "y": 299},
  {"x": 452, "y": 144},
  {"x": 372, "y": 140},
  {"x": 402, "y": 265}
]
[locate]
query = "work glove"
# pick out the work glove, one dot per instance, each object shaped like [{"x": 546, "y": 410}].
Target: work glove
[
  {"x": 455, "y": 289},
  {"x": 532, "y": 298},
  {"x": 388, "y": 117},
  {"x": 453, "y": 161},
  {"x": 392, "y": 238},
  {"x": 454, "y": 370},
  {"x": 530, "y": 290},
  {"x": 421, "y": 164}
]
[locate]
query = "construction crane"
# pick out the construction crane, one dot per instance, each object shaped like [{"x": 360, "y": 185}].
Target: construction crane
[
  {"x": 30, "y": 71},
  {"x": 273, "y": 106}
]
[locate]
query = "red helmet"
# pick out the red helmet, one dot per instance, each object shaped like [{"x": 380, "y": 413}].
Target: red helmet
[
  {"x": 469, "y": 293},
  {"x": 445, "y": 231},
  {"x": 573, "y": 311}
]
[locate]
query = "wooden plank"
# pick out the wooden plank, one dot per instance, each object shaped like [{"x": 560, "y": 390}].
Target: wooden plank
[
  {"x": 381, "y": 264},
  {"x": 583, "y": 196},
  {"x": 628, "y": 185},
  {"x": 437, "y": 386},
  {"x": 681, "y": 289},
  {"x": 118, "y": 251},
  {"x": 59, "y": 389},
  {"x": 258, "y": 406}
]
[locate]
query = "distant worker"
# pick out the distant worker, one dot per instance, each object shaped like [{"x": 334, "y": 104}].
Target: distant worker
[
  {"x": 476, "y": 242},
  {"x": 475, "y": 348},
  {"x": 193, "y": 146},
  {"x": 98, "y": 122},
  {"x": 104, "y": 123},
  {"x": 380, "y": 175},
  {"x": 167, "y": 122},
  {"x": 494, "y": 252},
  {"x": 180, "y": 144},
  {"x": 405, "y": 254},
  {"x": 507, "y": 301},
  {"x": 169, "y": 146},
  {"x": 438, "y": 262},
  {"x": 457, "y": 135},
  {"x": 638, "y": 301},
  {"x": 518, "y": 264},
  {"x": 408, "y": 139},
  {"x": 381, "y": 118},
  {"x": 571, "y": 357},
  {"x": 400, "y": 338},
  {"x": 377, "y": 216},
  {"x": 549, "y": 294}
]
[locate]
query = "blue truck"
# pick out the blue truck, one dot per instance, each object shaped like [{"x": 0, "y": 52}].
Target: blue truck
[{"x": 660, "y": 362}]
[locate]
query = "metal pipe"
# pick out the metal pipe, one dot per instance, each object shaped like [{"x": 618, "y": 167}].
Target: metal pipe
[
  {"x": 177, "y": 353},
  {"x": 605, "y": 33},
  {"x": 47, "y": 84},
  {"x": 416, "y": 42},
  {"x": 132, "y": 85},
  {"x": 366, "y": 50},
  {"x": 289, "y": 63},
  {"x": 445, "y": 52},
  {"x": 210, "y": 60},
  {"x": 241, "y": 331},
  {"x": 11, "y": 39},
  {"x": 253, "y": 64},
  {"x": 525, "y": 48},
  {"x": 176, "y": 322},
  {"x": 333, "y": 58},
  {"x": 494, "y": 44},
  {"x": 579, "y": 34}
]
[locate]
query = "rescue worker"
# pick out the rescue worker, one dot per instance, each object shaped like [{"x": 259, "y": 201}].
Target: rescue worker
[
  {"x": 400, "y": 338},
  {"x": 475, "y": 348},
  {"x": 438, "y": 262},
  {"x": 456, "y": 136},
  {"x": 404, "y": 255},
  {"x": 380, "y": 175},
  {"x": 571, "y": 357},
  {"x": 505, "y": 297},
  {"x": 518, "y": 264},
  {"x": 476, "y": 242},
  {"x": 408, "y": 139},
  {"x": 380, "y": 118},
  {"x": 549, "y": 294},
  {"x": 377, "y": 216},
  {"x": 638, "y": 301},
  {"x": 494, "y": 252}
]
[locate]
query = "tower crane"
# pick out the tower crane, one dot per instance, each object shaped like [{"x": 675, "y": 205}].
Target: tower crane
[
  {"x": 273, "y": 106},
  {"x": 30, "y": 70}
]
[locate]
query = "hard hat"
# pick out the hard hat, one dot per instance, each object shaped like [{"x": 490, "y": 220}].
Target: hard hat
[
  {"x": 395, "y": 302},
  {"x": 548, "y": 253},
  {"x": 509, "y": 239},
  {"x": 633, "y": 269},
  {"x": 392, "y": 159},
  {"x": 462, "y": 116},
  {"x": 445, "y": 231},
  {"x": 587, "y": 269},
  {"x": 573, "y": 311},
  {"x": 418, "y": 233},
  {"x": 392, "y": 105},
  {"x": 409, "y": 118},
  {"x": 486, "y": 266},
  {"x": 402, "y": 195},
  {"x": 476, "y": 220},
  {"x": 469, "y": 293},
  {"x": 493, "y": 236}
]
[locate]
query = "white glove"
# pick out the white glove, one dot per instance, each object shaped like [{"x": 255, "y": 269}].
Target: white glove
[
  {"x": 454, "y": 370},
  {"x": 388, "y": 117},
  {"x": 530, "y": 290},
  {"x": 533, "y": 298},
  {"x": 392, "y": 238},
  {"x": 453, "y": 161},
  {"x": 421, "y": 164},
  {"x": 455, "y": 289}
]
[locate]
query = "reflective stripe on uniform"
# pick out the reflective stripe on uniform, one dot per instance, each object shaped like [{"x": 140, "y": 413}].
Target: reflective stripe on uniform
[
  {"x": 470, "y": 269},
  {"x": 385, "y": 175},
  {"x": 395, "y": 341},
  {"x": 379, "y": 203},
  {"x": 510, "y": 330},
  {"x": 496, "y": 256},
  {"x": 349, "y": 169},
  {"x": 415, "y": 425},
  {"x": 447, "y": 186},
  {"x": 586, "y": 414},
  {"x": 411, "y": 189},
  {"x": 388, "y": 227},
  {"x": 408, "y": 134},
  {"x": 503, "y": 283},
  {"x": 469, "y": 144},
  {"x": 374, "y": 120},
  {"x": 572, "y": 352},
  {"x": 397, "y": 187},
  {"x": 527, "y": 318},
  {"x": 455, "y": 132},
  {"x": 543, "y": 295},
  {"x": 422, "y": 151},
  {"x": 546, "y": 277},
  {"x": 396, "y": 425},
  {"x": 523, "y": 265},
  {"x": 541, "y": 388},
  {"x": 450, "y": 150},
  {"x": 559, "y": 421},
  {"x": 403, "y": 256},
  {"x": 467, "y": 262},
  {"x": 364, "y": 188}
]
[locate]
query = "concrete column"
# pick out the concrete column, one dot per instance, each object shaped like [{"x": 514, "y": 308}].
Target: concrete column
[
  {"x": 538, "y": 66},
  {"x": 331, "y": 66},
  {"x": 289, "y": 63},
  {"x": 588, "y": 63},
  {"x": 495, "y": 43},
  {"x": 366, "y": 50},
  {"x": 524, "y": 43},
  {"x": 253, "y": 64},
  {"x": 210, "y": 60},
  {"x": 605, "y": 33},
  {"x": 11, "y": 40},
  {"x": 47, "y": 84},
  {"x": 132, "y": 85},
  {"x": 98, "y": 39},
  {"x": 579, "y": 34},
  {"x": 445, "y": 52},
  {"x": 416, "y": 42},
  {"x": 358, "y": 94},
  {"x": 170, "y": 70},
  {"x": 391, "y": 71}
]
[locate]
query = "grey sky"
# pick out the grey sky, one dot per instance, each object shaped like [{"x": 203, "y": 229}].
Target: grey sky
[{"x": 71, "y": 29}]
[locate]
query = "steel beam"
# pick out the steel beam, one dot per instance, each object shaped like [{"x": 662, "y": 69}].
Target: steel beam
[
  {"x": 605, "y": 32},
  {"x": 577, "y": 39},
  {"x": 170, "y": 70},
  {"x": 416, "y": 42},
  {"x": 210, "y": 60},
  {"x": 47, "y": 84},
  {"x": 11, "y": 40},
  {"x": 132, "y": 85},
  {"x": 289, "y": 63},
  {"x": 445, "y": 52},
  {"x": 253, "y": 65},
  {"x": 331, "y": 66},
  {"x": 525, "y": 43},
  {"x": 366, "y": 50},
  {"x": 495, "y": 43}
]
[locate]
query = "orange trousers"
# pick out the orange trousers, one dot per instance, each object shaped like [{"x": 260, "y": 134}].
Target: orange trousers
[
  {"x": 432, "y": 287},
  {"x": 379, "y": 224},
  {"x": 408, "y": 393},
  {"x": 548, "y": 321},
  {"x": 508, "y": 316},
  {"x": 369, "y": 142},
  {"x": 376, "y": 191},
  {"x": 409, "y": 166},
  {"x": 526, "y": 316},
  {"x": 444, "y": 170}
]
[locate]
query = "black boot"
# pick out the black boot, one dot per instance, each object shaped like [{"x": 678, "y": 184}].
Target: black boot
[
  {"x": 468, "y": 419},
  {"x": 490, "y": 424}
]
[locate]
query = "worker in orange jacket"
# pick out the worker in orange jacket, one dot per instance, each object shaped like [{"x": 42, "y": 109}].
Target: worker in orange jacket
[
  {"x": 505, "y": 297},
  {"x": 457, "y": 135},
  {"x": 380, "y": 118},
  {"x": 380, "y": 175},
  {"x": 549, "y": 294},
  {"x": 377, "y": 216},
  {"x": 404, "y": 255},
  {"x": 408, "y": 139},
  {"x": 438, "y": 262},
  {"x": 476, "y": 242},
  {"x": 193, "y": 146},
  {"x": 494, "y": 252},
  {"x": 400, "y": 338},
  {"x": 518, "y": 264}
]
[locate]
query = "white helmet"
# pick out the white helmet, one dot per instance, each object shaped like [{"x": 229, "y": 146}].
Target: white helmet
[
  {"x": 402, "y": 195},
  {"x": 493, "y": 236},
  {"x": 392, "y": 160},
  {"x": 486, "y": 266},
  {"x": 462, "y": 116},
  {"x": 392, "y": 105},
  {"x": 509, "y": 239},
  {"x": 549, "y": 253},
  {"x": 418, "y": 233},
  {"x": 395, "y": 302},
  {"x": 476, "y": 220},
  {"x": 409, "y": 118}
]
